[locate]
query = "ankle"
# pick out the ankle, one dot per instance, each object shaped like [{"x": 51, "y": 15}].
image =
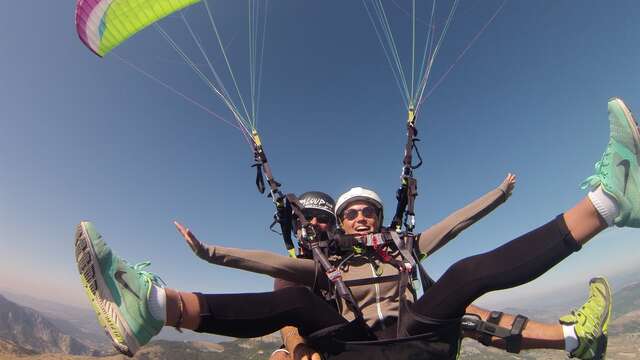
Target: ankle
[
  {"x": 183, "y": 309},
  {"x": 157, "y": 303},
  {"x": 605, "y": 204},
  {"x": 584, "y": 221},
  {"x": 571, "y": 342}
]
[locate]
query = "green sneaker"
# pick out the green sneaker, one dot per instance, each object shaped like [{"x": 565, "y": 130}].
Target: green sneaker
[
  {"x": 591, "y": 321},
  {"x": 618, "y": 171},
  {"x": 117, "y": 291}
]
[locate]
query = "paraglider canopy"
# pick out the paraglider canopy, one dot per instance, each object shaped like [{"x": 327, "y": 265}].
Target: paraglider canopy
[{"x": 104, "y": 24}]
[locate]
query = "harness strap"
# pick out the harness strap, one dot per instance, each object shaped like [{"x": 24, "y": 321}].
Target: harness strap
[
  {"x": 370, "y": 281},
  {"x": 489, "y": 328},
  {"x": 408, "y": 260},
  {"x": 403, "y": 282},
  {"x": 259, "y": 175},
  {"x": 514, "y": 341},
  {"x": 494, "y": 318},
  {"x": 473, "y": 322}
]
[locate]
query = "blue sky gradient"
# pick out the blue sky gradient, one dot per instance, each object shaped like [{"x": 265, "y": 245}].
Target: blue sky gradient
[{"x": 84, "y": 138}]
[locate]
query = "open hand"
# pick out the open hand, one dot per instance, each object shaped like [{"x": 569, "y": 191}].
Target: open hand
[
  {"x": 508, "y": 184},
  {"x": 191, "y": 239}
]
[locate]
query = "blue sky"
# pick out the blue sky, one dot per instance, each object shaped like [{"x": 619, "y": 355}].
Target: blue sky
[{"x": 83, "y": 138}]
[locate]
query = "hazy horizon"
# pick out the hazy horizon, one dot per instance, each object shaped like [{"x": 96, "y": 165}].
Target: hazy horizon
[{"x": 88, "y": 138}]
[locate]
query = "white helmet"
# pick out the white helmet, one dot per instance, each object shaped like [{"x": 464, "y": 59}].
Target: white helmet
[{"x": 359, "y": 193}]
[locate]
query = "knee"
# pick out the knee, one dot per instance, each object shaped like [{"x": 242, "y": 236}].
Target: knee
[{"x": 464, "y": 269}]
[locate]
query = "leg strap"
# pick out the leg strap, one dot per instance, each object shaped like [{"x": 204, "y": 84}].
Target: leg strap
[
  {"x": 514, "y": 340},
  {"x": 491, "y": 325},
  {"x": 490, "y": 328}
]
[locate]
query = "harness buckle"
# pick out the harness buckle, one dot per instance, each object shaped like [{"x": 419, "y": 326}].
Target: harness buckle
[{"x": 334, "y": 275}]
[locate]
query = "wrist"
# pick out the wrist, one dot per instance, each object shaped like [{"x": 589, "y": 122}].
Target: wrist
[{"x": 290, "y": 339}]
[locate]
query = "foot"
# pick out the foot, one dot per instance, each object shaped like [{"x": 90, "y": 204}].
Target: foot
[
  {"x": 117, "y": 291},
  {"x": 618, "y": 171},
  {"x": 591, "y": 321}
]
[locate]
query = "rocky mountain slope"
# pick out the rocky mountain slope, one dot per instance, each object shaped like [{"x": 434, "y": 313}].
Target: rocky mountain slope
[{"x": 25, "y": 328}]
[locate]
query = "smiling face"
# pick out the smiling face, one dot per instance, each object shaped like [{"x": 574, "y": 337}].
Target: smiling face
[{"x": 359, "y": 218}]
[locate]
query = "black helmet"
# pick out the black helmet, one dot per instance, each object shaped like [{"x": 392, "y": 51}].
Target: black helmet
[{"x": 317, "y": 200}]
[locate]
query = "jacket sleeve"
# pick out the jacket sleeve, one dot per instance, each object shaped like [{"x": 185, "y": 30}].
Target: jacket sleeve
[
  {"x": 301, "y": 271},
  {"x": 441, "y": 233}
]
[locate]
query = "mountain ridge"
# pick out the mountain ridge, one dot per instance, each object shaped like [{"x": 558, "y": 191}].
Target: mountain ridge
[{"x": 28, "y": 329}]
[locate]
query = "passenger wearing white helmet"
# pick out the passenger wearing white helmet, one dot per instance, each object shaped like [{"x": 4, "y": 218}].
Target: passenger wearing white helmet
[{"x": 364, "y": 196}]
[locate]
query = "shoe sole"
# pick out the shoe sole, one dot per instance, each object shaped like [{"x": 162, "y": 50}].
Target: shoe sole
[
  {"x": 601, "y": 348},
  {"x": 632, "y": 124},
  {"x": 100, "y": 296}
]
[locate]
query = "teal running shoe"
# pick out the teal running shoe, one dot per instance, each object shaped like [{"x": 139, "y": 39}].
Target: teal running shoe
[
  {"x": 591, "y": 321},
  {"x": 618, "y": 171},
  {"x": 117, "y": 291}
]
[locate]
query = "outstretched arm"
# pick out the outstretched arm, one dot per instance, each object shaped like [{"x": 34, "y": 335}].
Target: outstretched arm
[
  {"x": 441, "y": 233},
  {"x": 301, "y": 271}
]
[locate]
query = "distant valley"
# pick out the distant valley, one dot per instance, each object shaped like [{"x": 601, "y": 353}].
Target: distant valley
[{"x": 32, "y": 329}]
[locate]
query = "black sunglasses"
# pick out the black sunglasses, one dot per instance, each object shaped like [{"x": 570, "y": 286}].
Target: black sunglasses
[
  {"x": 321, "y": 218},
  {"x": 367, "y": 211}
]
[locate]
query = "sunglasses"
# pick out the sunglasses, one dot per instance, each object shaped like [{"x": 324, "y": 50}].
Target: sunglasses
[
  {"x": 321, "y": 218},
  {"x": 367, "y": 211}
]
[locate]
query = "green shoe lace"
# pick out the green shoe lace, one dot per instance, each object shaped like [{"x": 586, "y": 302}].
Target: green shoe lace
[
  {"x": 149, "y": 278},
  {"x": 601, "y": 172}
]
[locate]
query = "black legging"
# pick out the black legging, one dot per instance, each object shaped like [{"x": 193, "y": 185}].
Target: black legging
[{"x": 515, "y": 263}]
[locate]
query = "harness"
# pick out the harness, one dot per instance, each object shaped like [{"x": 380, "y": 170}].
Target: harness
[{"x": 356, "y": 339}]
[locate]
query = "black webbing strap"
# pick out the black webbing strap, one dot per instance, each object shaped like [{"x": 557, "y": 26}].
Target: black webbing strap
[
  {"x": 262, "y": 165},
  {"x": 494, "y": 318},
  {"x": 473, "y": 322},
  {"x": 372, "y": 280},
  {"x": 514, "y": 340},
  {"x": 259, "y": 176}
]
